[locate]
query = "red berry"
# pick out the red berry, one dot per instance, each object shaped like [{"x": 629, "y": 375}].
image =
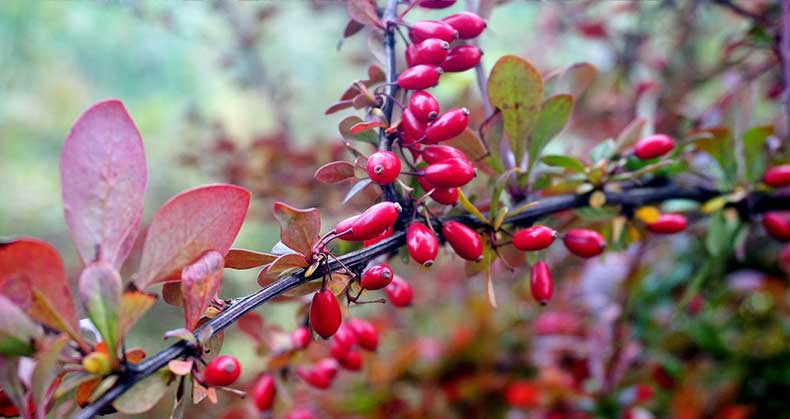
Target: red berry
[
  {"x": 437, "y": 153},
  {"x": 372, "y": 222},
  {"x": 522, "y": 393},
  {"x": 465, "y": 241},
  {"x": 424, "y": 107},
  {"x": 300, "y": 337},
  {"x": 584, "y": 243},
  {"x": 320, "y": 375},
  {"x": 424, "y": 29},
  {"x": 653, "y": 146},
  {"x": 222, "y": 371},
  {"x": 383, "y": 167},
  {"x": 376, "y": 277},
  {"x": 342, "y": 342},
  {"x": 431, "y": 51},
  {"x": 462, "y": 58},
  {"x": 263, "y": 392},
  {"x": 540, "y": 282},
  {"x": 537, "y": 237},
  {"x": 644, "y": 393},
  {"x": 777, "y": 225},
  {"x": 325, "y": 317},
  {"x": 777, "y": 176},
  {"x": 421, "y": 244},
  {"x": 449, "y": 173},
  {"x": 420, "y": 77},
  {"x": 351, "y": 361},
  {"x": 412, "y": 128},
  {"x": 436, "y": 4},
  {"x": 447, "y": 126},
  {"x": 366, "y": 334},
  {"x": 299, "y": 413},
  {"x": 668, "y": 224},
  {"x": 446, "y": 196},
  {"x": 399, "y": 292},
  {"x": 468, "y": 24},
  {"x": 386, "y": 233}
]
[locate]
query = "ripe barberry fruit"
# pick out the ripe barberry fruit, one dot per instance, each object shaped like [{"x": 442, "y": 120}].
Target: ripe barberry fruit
[
  {"x": 386, "y": 233},
  {"x": 300, "y": 338},
  {"x": 436, "y": 153},
  {"x": 431, "y": 51},
  {"x": 522, "y": 394},
  {"x": 222, "y": 371},
  {"x": 446, "y": 196},
  {"x": 777, "y": 176},
  {"x": 399, "y": 292},
  {"x": 584, "y": 243},
  {"x": 447, "y": 126},
  {"x": 425, "y": 29},
  {"x": 437, "y": 4},
  {"x": 372, "y": 222},
  {"x": 325, "y": 317},
  {"x": 424, "y": 106},
  {"x": 299, "y": 413},
  {"x": 465, "y": 241},
  {"x": 421, "y": 244},
  {"x": 540, "y": 283},
  {"x": 668, "y": 224},
  {"x": 320, "y": 375},
  {"x": 420, "y": 77},
  {"x": 532, "y": 238},
  {"x": 376, "y": 277},
  {"x": 777, "y": 225},
  {"x": 451, "y": 173},
  {"x": 462, "y": 58},
  {"x": 263, "y": 392},
  {"x": 653, "y": 146},
  {"x": 342, "y": 342},
  {"x": 351, "y": 361},
  {"x": 412, "y": 128},
  {"x": 366, "y": 334},
  {"x": 383, "y": 167},
  {"x": 468, "y": 24}
]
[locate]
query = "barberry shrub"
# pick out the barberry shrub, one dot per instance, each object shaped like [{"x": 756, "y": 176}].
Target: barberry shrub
[{"x": 455, "y": 190}]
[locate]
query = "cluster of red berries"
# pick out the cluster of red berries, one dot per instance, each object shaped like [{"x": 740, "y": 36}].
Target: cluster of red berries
[{"x": 777, "y": 223}]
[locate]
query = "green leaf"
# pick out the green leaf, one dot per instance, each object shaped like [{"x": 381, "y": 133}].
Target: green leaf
[
  {"x": 603, "y": 151},
  {"x": 17, "y": 330},
  {"x": 574, "y": 79},
  {"x": 718, "y": 142},
  {"x": 491, "y": 132},
  {"x": 720, "y": 234},
  {"x": 47, "y": 368},
  {"x": 470, "y": 207},
  {"x": 299, "y": 228},
  {"x": 145, "y": 394},
  {"x": 11, "y": 384},
  {"x": 753, "y": 155},
  {"x": 364, "y": 136},
  {"x": 470, "y": 144},
  {"x": 630, "y": 134},
  {"x": 100, "y": 292},
  {"x": 200, "y": 282},
  {"x": 515, "y": 87},
  {"x": 566, "y": 162},
  {"x": 553, "y": 117}
]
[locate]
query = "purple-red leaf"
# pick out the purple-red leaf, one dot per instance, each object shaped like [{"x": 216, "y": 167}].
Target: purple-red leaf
[
  {"x": 103, "y": 177},
  {"x": 335, "y": 171},
  {"x": 38, "y": 264},
  {"x": 366, "y": 126},
  {"x": 251, "y": 324},
  {"x": 339, "y": 106},
  {"x": 200, "y": 283},
  {"x": 363, "y": 12},
  {"x": 247, "y": 259},
  {"x": 299, "y": 228},
  {"x": 283, "y": 263},
  {"x": 189, "y": 224}
]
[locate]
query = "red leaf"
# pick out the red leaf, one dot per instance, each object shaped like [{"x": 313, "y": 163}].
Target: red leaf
[
  {"x": 352, "y": 27},
  {"x": 247, "y": 259},
  {"x": 338, "y": 106},
  {"x": 366, "y": 126},
  {"x": 103, "y": 177},
  {"x": 299, "y": 228},
  {"x": 335, "y": 171},
  {"x": 38, "y": 264},
  {"x": 282, "y": 264},
  {"x": 363, "y": 12},
  {"x": 189, "y": 224},
  {"x": 251, "y": 324},
  {"x": 200, "y": 283}
]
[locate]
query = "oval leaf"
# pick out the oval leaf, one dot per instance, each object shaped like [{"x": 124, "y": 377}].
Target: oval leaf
[
  {"x": 470, "y": 144},
  {"x": 553, "y": 117},
  {"x": 200, "y": 283},
  {"x": 17, "y": 330},
  {"x": 335, "y": 171},
  {"x": 37, "y": 263},
  {"x": 133, "y": 305},
  {"x": 299, "y": 228},
  {"x": 515, "y": 87},
  {"x": 281, "y": 264},
  {"x": 566, "y": 162},
  {"x": 145, "y": 394},
  {"x": 100, "y": 292},
  {"x": 247, "y": 259},
  {"x": 103, "y": 178},
  {"x": 189, "y": 224}
]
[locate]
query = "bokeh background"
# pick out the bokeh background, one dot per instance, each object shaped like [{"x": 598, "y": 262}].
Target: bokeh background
[{"x": 236, "y": 91}]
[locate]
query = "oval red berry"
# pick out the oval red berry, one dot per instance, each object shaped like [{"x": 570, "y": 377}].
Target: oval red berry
[
  {"x": 653, "y": 146},
  {"x": 584, "y": 243},
  {"x": 300, "y": 337},
  {"x": 263, "y": 392},
  {"x": 668, "y": 224},
  {"x": 222, "y": 371},
  {"x": 421, "y": 244},
  {"x": 462, "y": 58},
  {"x": 419, "y": 77},
  {"x": 383, "y": 167},
  {"x": 533, "y": 238},
  {"x": 464, "y": 240},
  {"x": 372, "y": 222},
  {"x": 445, "y": 196},
  {"x": 377, "y": 277},
  {"x": 366, "y": 334},
  {"x": 540, "y": 283},
  {"x": 777, "y": 176},
  {"x": 424, "y": 107},
  {"x": 468, "y": 24},
  {"x": 777, "y": 225},
  {"x": 451, "y": 173},
  {"x": 424, "y": 29},
  {"x": 399, "y": 292},
  {"x": 432, "y": 51},
  {"x": 447, "y": 126},
  {"x": 438, "y": 153},
  {"x": 437, "y": 4},
  {"x": 325, "y": 317}
]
